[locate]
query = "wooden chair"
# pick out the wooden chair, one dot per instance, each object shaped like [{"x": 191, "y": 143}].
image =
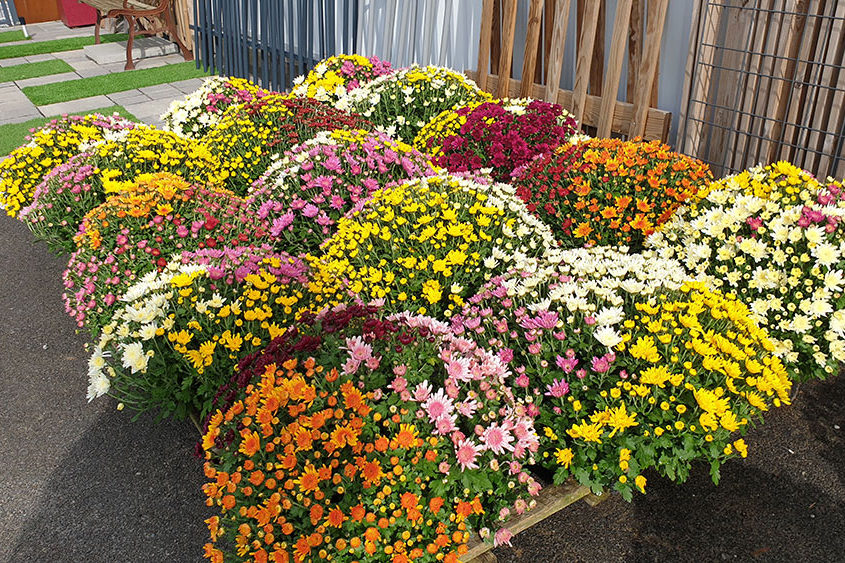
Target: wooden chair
[
  {"x": 154, "y": 10},
  {"x": 605, "y": 113}
]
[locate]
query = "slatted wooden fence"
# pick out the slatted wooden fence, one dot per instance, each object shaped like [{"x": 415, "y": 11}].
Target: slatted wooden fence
[{"x": 593, "y": 99}]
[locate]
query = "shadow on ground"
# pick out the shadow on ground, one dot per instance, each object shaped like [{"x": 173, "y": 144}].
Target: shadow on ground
[{"x": 124, "y": 492}]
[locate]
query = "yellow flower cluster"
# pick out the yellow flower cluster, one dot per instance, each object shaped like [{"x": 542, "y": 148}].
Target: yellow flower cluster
[
  {"x": 150, "y": 150},
  {"x": 47, "y": 148},
  {"x": 427, "y": 244},
  {"x": 331, "y": 78},
  {"x": 781, "y": 182}
]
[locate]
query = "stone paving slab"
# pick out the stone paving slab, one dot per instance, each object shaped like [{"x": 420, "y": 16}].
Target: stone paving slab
[
  {"x": 15, "y": 107},
  {"x": 187, "y": 86},
  {"x": 89, "y": 72},
  {"x": 40, "y": 58},
  {"x": 161, "y": 91},
  {"x": 142, "y": 48},
  {"x": 13, "y": 61},
  {"x": 75, "y": 106},
  {"x": 49, "y": 79},
  {"x": 129, "y": 97}
]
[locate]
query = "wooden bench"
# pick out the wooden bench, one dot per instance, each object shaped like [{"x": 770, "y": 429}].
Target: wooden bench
[{"x": 157, "y": 10}]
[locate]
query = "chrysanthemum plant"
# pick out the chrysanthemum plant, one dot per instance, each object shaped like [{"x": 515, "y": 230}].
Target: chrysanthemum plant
[
  {"x": 628, "y": 368},
  {"x": 402, "y": 103},
  {"x": 177, "y": 334},
  {"x": 137, "y": 230},
  {"x": 366, "y": 438},
  {"x": 608, "y": 191},
  {"x": 503, "y": 135},
  {"x": 333, "y": 77},
  {"x": 428, "y": 244},
  {"x": 251, "y": 136},
  {"x": 46, "y": 148},
  {"x": 303, "y": 195},
  {"x": 198, "y": 112},
  {"x": 774, "y": 236}
]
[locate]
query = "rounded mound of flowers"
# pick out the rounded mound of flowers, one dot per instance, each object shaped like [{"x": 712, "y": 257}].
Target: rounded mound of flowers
[
  {"x": 401, "y": 103},
  {"x": 199, "y": 111},
  {"x": 500, "y": 134},
  {"x": 428, "y": 244},
  {"x": 304, "y": 194},
  {"x": 250, "y": 136},
  {"x": 608, "y": 191},
  {"x": 177, "y": 334},
  {"x": 137, "y": 229},
  {"x": 73, "y": 189},
  {"x": 353, "y": 437},
  {"x": 333, "y": 77},
  {"x": 50, "y": 146},
  {"x": 774, "y": 236},
  {"x": 61, "y": 200},
  {"x": 631, "y": 375}
]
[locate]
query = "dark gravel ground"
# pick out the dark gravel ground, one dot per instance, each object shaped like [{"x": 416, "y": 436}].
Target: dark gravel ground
[{"x": 82, "y": 483}]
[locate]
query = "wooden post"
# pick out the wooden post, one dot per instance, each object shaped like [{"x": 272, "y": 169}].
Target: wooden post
[
  {"x": 532, "y": 41},
  {"x": 555, "y": 62},
  {"x": 635, "y": 47},
  {"x": 506, "y": 55},
  {"x": 614, "y": 67},
  {"x": 585, "y": 60},
  {"x": 648, "y": 67},
  {"x": 484, "y": 43},
  {"x": 796, "y": 32}
]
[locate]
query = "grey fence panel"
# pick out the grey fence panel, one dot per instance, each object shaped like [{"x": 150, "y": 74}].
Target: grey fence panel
[
  {"x": 271, "y": 41},
  {"x": 8, "y": 13}
]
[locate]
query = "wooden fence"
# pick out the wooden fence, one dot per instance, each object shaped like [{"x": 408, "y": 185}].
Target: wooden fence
[
  {"x": 637, "y": 34},
  {"x": 765, "y": 82},
  {"x": 271, "y": 41}
]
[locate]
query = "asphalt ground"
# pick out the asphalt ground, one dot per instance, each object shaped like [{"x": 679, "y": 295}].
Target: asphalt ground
[{"x": 81, "y": 482}]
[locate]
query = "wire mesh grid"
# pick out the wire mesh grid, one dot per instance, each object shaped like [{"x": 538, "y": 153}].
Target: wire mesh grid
[{"x": 767, "y": 84}]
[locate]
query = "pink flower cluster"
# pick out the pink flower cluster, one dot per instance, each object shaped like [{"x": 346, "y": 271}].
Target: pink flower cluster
[
  {"x": 61, "y": 200},
  {"x": 497, "y": 137},
  {"x": 98, "y": 274},
  {"x": 232, "y": 264},
  {"x": 319, "y": 181}
]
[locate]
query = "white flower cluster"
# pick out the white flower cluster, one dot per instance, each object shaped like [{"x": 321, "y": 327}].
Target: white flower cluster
[
  {"x": 125, "y": 343},
  {"x": 783, "y": 256},
  {"x": 402, "y": 103}
]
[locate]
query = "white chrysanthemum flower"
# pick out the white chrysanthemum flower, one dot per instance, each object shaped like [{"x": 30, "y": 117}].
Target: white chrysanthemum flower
[
  {"x": 607, "y": 336},
  {"x": 609, "y": 316},
  {"x": 134, "y": 358},
  {"x": 98, "y": 385}
]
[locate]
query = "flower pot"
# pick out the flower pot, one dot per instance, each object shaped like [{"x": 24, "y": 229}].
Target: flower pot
[{"x": 75, "y": 14}]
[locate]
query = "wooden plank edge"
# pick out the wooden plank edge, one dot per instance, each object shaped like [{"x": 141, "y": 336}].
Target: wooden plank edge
[
  {"x": 657, "y": 121},
  {"x": 551, "y": 499}
]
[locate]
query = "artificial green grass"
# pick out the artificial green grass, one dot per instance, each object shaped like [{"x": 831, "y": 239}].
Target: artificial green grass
[
  {"x": 13, "y": 135},
  {"x": 34, "y": 70},
  {"x": 111, "y": 83},
  {"x": 14, "y": 35},
  {"x": 55, "y": 46}
]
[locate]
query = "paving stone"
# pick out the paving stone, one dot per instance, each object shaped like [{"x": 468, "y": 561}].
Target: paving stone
[
  {"x": 12, "y": 62},
  {"x": 187, "y": 86},
  {"x": 88, "y": 72},
  {"x": 49, "y": 79},
  {"x": 129, "y": 97},
  {"x": 143, "y": 47},
  {"x": 73, "y": 56},
  {"x": 39, "y": 58},
  {"x": 161, "y": 91},
  {"x": 8, "y": 118},
  {"x": 76, "y": 106}
]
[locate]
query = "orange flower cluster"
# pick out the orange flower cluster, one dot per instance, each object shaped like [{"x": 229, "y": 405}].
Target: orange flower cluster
[
  {"x": 609, "y": 191},
  {"x": 324, "y": 475}
]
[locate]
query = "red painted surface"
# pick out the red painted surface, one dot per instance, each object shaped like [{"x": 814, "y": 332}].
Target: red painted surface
[{"x": 75, "y": 14}]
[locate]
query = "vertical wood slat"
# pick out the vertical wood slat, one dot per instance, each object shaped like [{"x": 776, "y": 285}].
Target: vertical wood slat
[
  {"x": 610, "y": 86},
  {"x": 584, "y": 63},
  {"x": 597, "y": 65},
  {"x": 554, "y": 64},
  {"x": 648, "y": 67},
  {"x": 548, "y": 24},
  {"x": 506, "y": 55},
  {"x": 636, "y": 32},
  {"x": 799, "y": 21},
  {"x": 532, "y": 40}
]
